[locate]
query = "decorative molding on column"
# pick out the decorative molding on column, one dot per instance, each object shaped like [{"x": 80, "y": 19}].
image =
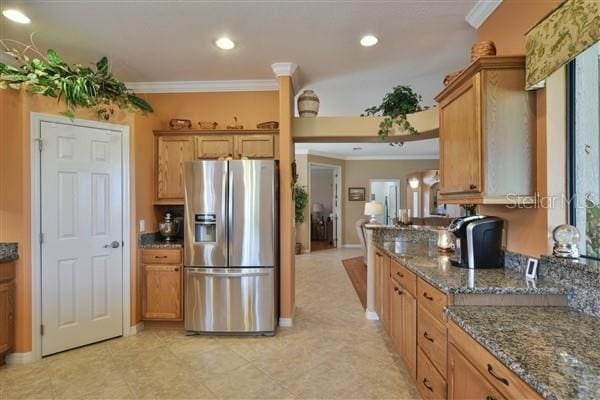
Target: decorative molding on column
[
  {"x": 287, "y": 69},
  {"x": 481, "y": 11}
]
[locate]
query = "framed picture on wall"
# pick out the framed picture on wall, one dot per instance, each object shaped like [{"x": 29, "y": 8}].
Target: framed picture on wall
[{"x": 356, "y": 194}]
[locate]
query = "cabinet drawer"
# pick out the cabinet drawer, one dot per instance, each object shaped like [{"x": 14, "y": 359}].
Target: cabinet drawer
[
  {"x": 432, "y": 299},
  {"x": 404, "y": 277},
  {"x": 505, "y": 381},
  {"x": 432, "y": 338},
  {"x": 430, "y": 383},
  {"x": 161, "y": 256}
]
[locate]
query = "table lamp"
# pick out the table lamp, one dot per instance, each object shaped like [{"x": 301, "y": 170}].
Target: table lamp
[{"x": 373, "y": 208}]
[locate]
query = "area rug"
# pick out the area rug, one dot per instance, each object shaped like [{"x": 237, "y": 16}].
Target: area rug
[{"x": 357, "y": 272}]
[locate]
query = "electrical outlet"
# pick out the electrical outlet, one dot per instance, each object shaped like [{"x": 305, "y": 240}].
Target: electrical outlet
[{"x": 142, "y": 225}]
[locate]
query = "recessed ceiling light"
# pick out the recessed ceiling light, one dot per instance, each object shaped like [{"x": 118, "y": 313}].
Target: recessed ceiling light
[
  {"x": 225, "y": 43},
  {"x": 16, "y": 16},
  {"x": 369, "y": 40}
]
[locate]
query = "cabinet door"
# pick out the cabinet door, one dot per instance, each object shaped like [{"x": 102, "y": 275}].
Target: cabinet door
[
  {"x": 7, "y": 312},
  {"x": 254, "y": 146},
  {"x": 460, "y": 140},
  {"x": 172, "y": 152},
  {"x": 214, "y": 147},
  {"x": 465, "y": 382},
  {"x": 396, "y": 320},
  {"x": 408, "y": 339},
  {"x": 161, "y": 292},
  {"x": 385, "y": 284}
]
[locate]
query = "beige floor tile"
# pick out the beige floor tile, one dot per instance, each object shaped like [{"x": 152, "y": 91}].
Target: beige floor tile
[
  {"x": 331, "y": 352},
  {"x": 247, "y": 382}
]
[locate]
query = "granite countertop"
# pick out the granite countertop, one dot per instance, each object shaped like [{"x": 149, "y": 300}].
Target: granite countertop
[
  {"x": 554, "y": 349},
  {"x": 155, "y": 241},
  {"x": 435, "y": 268},
  {"x": 9, "y": 252}
]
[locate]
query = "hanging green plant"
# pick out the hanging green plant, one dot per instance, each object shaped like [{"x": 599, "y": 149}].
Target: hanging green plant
[
  {"x": 300, "y": 202},
  {"x": 78, "y": 86},
  {"x": 402, "y": 100}
]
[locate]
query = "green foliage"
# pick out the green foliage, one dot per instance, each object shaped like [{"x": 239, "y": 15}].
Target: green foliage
[
  {"x": 300, "y": 201},
  {"x": 395, "y": 105},
  {"x": 592, "y": 218},
  {"x": 76, "y": 85}
]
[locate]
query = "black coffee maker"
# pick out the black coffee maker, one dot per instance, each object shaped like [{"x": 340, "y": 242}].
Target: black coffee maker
[{"x": 478, "y": 242}]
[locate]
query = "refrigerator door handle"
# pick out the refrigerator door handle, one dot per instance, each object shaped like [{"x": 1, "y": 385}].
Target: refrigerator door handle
[
  {"x": 227, "y": 274},
  {"x": 230, "y": 193}
]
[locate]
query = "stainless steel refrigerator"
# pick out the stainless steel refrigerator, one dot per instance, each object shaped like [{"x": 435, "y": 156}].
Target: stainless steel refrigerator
[{"x": 231, "y": 246}]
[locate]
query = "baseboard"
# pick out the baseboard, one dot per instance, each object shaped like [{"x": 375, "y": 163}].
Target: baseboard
[
  {"x": 20, "y": 358},
  {"x": 135, "y": 329},
  {"x": 371, "y": 315},
  {"x": 352, "y": 246}
]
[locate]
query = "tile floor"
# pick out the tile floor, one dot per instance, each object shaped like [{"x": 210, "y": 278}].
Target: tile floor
[{"x": 332, "y": 352}]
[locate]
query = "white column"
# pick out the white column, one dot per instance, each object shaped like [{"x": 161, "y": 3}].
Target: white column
[{"x": 370, "y": 312}]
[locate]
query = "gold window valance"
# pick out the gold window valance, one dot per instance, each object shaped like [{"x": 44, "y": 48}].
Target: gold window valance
[{"x": 564, "y": 33}]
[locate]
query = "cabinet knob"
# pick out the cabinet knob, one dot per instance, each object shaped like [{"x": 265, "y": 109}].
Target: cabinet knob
[
  {"x": 427, "y": 296},
  {"x": 426, "y": 336},
  {"x": 399, "y": 274},
  {"x": 472, "y": 187},
  {"x": 427, "y": 385},
  {"x": 491, "y": 372}
]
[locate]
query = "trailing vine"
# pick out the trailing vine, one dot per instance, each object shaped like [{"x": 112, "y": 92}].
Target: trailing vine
[{"x": 77, "y": 85}]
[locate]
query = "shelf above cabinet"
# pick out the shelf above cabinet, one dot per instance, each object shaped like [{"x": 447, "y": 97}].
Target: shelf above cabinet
[{"x": 191, "y": 132}]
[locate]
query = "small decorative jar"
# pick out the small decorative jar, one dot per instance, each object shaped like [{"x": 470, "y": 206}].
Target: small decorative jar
[{"x": 308, "y": 104}]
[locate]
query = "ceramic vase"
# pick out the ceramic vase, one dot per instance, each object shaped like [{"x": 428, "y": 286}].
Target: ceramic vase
[{"x": 308, "y": 104}]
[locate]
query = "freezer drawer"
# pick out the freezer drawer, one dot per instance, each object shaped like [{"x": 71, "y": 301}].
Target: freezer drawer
[{"x": 230, "y": 300}]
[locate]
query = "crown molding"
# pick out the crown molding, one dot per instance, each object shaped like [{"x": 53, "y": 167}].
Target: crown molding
[
  {"x": 366, "y": 158},
  {"x": 480, "y": 11},
  {"x": 284, "y": 68},
  {"x": 249, "y": 85}
]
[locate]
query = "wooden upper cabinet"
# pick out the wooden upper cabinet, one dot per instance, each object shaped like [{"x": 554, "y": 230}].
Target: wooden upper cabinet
[
  {"x": 214, "y": 147},
  {"x": 254, "y": 146},
  {"x": 488, "y": 134},
  {"x": 461, "y": 143},
  {"x": 172, "y": 152}
]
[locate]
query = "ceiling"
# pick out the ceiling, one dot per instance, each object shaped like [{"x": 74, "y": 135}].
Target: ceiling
[
  {"x": 173, "y": 40},
  {"x": 418, "y": 149}
]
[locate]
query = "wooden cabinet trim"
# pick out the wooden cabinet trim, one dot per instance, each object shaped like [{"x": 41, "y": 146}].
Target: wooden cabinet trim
[
  {"x": 160, "y": 256},
  {"x": 406, "y": 278}
]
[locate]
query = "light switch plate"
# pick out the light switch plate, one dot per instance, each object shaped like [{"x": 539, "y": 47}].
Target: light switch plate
[{"x": 142, "y": 225}]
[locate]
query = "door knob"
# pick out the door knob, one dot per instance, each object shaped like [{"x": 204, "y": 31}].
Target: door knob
[{"x": 114, "y": 244}]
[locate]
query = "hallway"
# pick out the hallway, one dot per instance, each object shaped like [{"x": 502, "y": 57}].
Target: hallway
[{"x": 331, "y": 352}]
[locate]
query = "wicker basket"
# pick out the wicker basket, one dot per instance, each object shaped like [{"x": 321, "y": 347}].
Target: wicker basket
[
  {"x": 207, "y": 125},
  {"x": 268, "y": 125},
  {"x": 450, "y": 77},
  {"x": 483, "y": 48}
]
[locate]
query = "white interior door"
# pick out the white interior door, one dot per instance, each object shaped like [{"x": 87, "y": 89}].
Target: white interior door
[{"x": 82, "y": 256}]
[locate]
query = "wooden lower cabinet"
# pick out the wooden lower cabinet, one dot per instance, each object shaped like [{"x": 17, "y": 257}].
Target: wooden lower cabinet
[
  {"x": 162, "y": 286},
  {"x": 465, "y": 382},
  {"x": 403, "y": 325},
  {"x": 7, "y": 309},
  {"x": 430, "y": 383},
  {"x": 504, "y": 382}
]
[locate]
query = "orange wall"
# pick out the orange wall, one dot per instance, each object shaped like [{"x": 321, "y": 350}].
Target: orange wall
[
  {"x": 15, "y": 187},
  {"x": 15, "y": 193},
  {"x": 527, "y": 229}
]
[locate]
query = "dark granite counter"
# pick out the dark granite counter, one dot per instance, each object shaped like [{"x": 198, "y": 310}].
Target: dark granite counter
[
  {"x": 435, "y": 268},
  {"x": 9, "y": 252},
  {"x": 554, "y": 349},
  {"x": 153, "y": 240}
]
